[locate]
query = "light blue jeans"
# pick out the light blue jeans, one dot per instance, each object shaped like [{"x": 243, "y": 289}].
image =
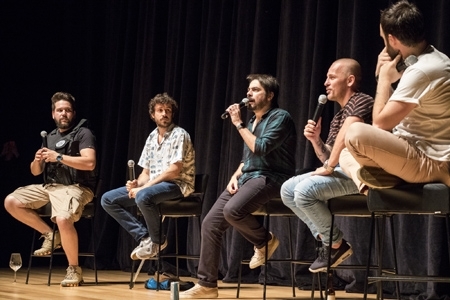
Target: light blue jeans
[
  {"x": 116, "y": 203},
  {"x": 307, "y": 195}
]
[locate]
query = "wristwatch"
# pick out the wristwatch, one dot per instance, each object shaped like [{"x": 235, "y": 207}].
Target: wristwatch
[
  {"x": 59, "y": 158},
  {"x": 240, "y": 126},
  {"x": 327, "y": 167}
]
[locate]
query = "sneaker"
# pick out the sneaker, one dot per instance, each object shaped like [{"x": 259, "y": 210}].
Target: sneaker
[
  {"x": 200, "y": 292},
  {"x": 150, "y": 250},
  {"x": 46, "y": 248},
  {"x": 377, "y": 178},
  {"x": 144, "y": 243},
  {"x": 260, "y": 254},
  {"x": 337, "y": 257},
  {"x": 73, "y": 277}
]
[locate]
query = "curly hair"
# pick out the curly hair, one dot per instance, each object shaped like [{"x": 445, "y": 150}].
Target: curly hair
[{"x": 165, "y": 99}]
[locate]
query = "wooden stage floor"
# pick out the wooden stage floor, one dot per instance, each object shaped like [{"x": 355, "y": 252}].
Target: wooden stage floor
[{"x": 115, "y": 285}]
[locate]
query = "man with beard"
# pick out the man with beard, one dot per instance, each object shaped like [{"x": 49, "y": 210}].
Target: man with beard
[
  {"x": 68, "y": 163},
  {"x": 307, "y": 194},
  {"x": 268, "y": 160},
  {"x": 410, "y": 137},
  {"x": 168, "y": 173}
]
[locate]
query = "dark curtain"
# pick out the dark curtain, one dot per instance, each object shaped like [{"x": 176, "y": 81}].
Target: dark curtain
[{"x": 114, "y": 55}]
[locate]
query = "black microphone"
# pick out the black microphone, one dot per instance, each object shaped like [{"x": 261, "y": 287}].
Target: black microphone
[
  {"x": 322, "y": 100},
  {"x": 44, "y": 138},
  {"x": 131, "y": 174},
  {"x": 241, "y": 105},
  {"x": 403, "y": 64}
]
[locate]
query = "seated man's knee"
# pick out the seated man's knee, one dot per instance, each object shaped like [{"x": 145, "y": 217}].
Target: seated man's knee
[
  {"x": 286, "y": 193},
  {"x": 64, "y": 223},
  {"x": 232, "y": 213},
  {"x": 354, "y": 132},
  {"x": 11, "y": 203}
]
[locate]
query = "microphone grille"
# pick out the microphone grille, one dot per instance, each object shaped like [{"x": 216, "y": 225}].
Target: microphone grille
[
  {"x": 43, "y": 133},
  {"x": 410, "y": 60},
  {"x": 322, "y": 99},
  {"x": 245, "y": 100},
  {"x": 131, "y": 163}
]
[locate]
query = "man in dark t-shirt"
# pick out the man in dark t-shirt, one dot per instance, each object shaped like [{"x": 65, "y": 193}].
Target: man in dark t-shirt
[{"x": 67, "y": 160}]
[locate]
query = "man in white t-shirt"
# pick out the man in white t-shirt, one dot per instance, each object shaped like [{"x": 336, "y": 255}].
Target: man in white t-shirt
[{"x": 410, "y": 137}]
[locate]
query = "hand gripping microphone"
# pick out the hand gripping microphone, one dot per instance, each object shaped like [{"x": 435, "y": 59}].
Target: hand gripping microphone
[
  {"x": 44, "y": 138},
  {"x": 322, "y": 100},
  {"x": 131, "y": 174},
  {"x": 243, "y": 103}
]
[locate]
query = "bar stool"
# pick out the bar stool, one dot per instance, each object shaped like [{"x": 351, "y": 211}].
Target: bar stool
[
  {"x": 276, "y": 208},
  {"x": 186, "y": 207},
  {"x": 46, "y": 212}
]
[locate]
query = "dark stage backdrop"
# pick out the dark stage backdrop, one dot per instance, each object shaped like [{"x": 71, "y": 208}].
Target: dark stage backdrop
[{"x": 114, "y": 55}]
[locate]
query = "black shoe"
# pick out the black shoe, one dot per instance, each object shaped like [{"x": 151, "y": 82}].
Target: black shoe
[{"x": 337, "y": 257}]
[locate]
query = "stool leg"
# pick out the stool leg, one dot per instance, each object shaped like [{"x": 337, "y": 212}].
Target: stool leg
[
  {"x": 132, "y": 273},
  {"x": 394, "y": 252},
  {"x": 266, "y": 264},
  {"x": 93, "y": 251},
  {"x": 447, "y": 224},
  {"x": 330, "y": 290},
  {"x": 372, "y": 228},
  {"x": 51, "y": 256},
  {"x": 239, "y": 280},
  {"x": 31, "y": 256}
]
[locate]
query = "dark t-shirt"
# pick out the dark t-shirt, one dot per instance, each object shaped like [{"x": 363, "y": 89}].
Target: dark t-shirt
[
  {"x": 62, "y": 143},
  {"x": 359, "y": 105}
]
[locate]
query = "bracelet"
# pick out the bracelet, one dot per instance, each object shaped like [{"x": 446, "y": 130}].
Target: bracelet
[{"x": 328, "y": 167}]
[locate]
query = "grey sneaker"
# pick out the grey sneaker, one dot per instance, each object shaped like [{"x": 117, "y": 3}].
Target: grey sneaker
[
  {"x": 378, "y": 178},
  {"x": 144, "y": 243},
  {"x": 46, "y": 248},
  {"x": 150, "y": 250},
  {"x": 73, "y": 277},
  {"x": 337, "y": 257},
  {"x": 260, "y": 254},
  {"x": 200, "y": 292}
]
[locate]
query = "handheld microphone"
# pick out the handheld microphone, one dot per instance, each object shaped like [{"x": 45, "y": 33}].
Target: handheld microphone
[
  {"x": 44, "y": 138},
  {"x": 403, "y": 64},
  {"x": 131, "y": 174},
  {"x": 243, "y": 103},
  {"x": 322, "y": 100}
]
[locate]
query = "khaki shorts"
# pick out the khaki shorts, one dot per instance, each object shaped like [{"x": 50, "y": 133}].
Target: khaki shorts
[{"x": 68, "y": 201}]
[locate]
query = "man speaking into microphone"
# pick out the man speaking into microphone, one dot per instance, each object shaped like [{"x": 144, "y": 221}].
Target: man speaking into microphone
[
  {"x": 307, "y": 194},
  {"x": 268, "y": 160}
]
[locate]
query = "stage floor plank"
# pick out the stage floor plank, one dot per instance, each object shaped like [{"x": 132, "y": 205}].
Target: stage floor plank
[{"x": 114, "y": 285}]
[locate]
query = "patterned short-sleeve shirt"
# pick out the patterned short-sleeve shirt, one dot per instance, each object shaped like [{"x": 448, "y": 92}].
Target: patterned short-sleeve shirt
[{"x": 176, "y": 146}]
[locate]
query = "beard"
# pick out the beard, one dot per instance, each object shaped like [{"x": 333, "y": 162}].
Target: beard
[
  {"x": 65, "y": 125},
  {"x": 391, "y": 51},
  {"x": 163, "y": 123}
]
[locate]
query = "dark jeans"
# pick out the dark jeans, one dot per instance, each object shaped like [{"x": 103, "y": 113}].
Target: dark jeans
[
  {"x": 233, "y": 210},
  {"x": 116, "y": 203}
]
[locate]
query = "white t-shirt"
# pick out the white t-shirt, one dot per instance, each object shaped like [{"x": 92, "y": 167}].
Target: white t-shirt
[{"x": 427, "y": 84}]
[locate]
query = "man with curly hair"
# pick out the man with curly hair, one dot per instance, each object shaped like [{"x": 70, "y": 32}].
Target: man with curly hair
[{"x": 168, "y": 173}]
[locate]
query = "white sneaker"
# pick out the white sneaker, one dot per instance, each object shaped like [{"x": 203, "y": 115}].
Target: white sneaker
[
  {"x": 260, "y": 254},
  {"x": 200, "y": 292},
  {"x": 150, "y": 250},
  {"x": 144, "y": 242}
]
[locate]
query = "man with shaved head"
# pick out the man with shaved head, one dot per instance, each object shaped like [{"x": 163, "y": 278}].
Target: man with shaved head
[{"x": 307, "y": 194}]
